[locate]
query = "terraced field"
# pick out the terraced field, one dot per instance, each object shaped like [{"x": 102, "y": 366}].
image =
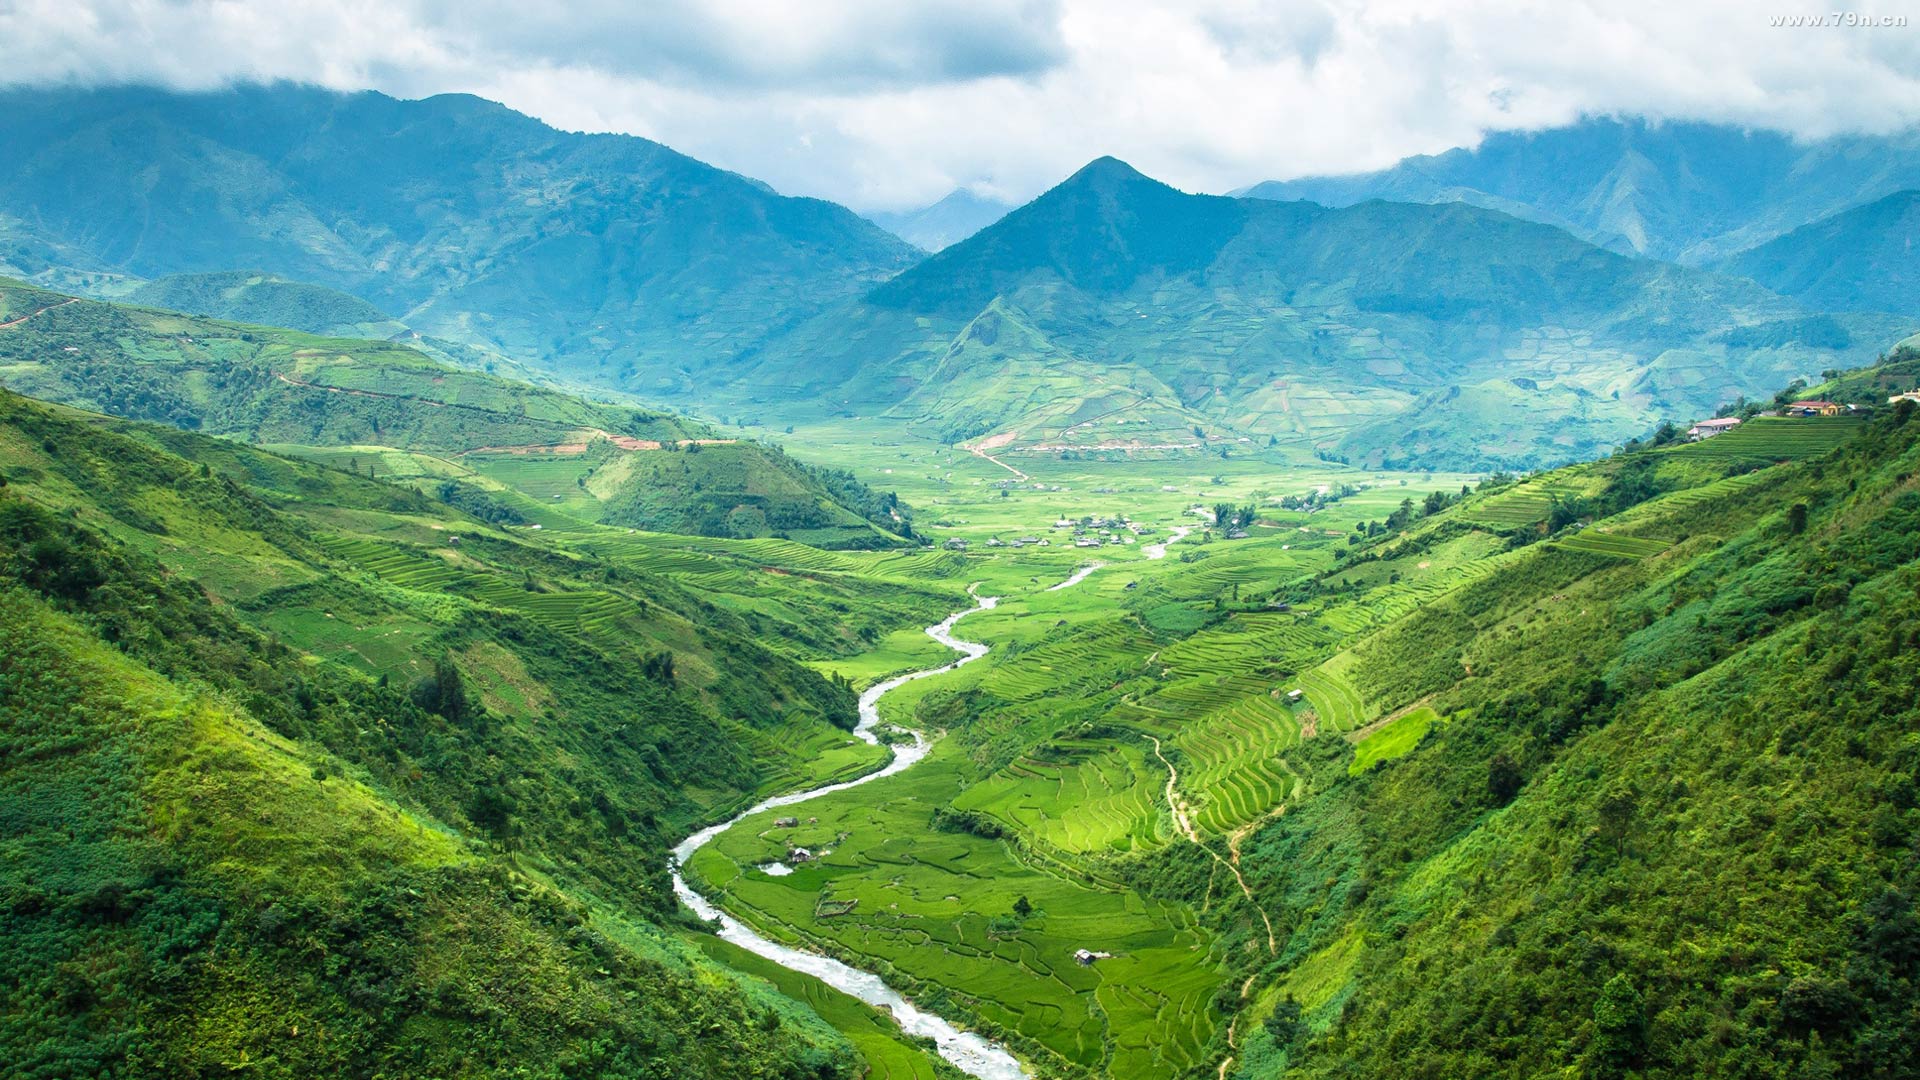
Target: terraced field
[
  {"x": 1233, "y": 773},
  {"x": 1076, "y": 796},
  {"x": 1620, "y": 546},
  {"x": 1338, "y": 705},
  {"x": 1777, "y": 438},
  {"x": 1522, "y": 505}
]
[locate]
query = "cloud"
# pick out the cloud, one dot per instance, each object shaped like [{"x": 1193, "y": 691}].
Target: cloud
[{"x": 892, "y": 104}]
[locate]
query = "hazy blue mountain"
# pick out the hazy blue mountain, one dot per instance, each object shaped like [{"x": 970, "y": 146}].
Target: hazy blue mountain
[
  {"x": 945, "y": 223},
  {"x": 608, "y": 256},
  {"x": 1387, "y": 332},
  {"x": 1863, "y": 259},
  {"x": 1687, "y": 192}
]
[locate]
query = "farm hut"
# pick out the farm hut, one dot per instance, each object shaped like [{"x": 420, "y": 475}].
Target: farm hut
[
  {"x": 785, "y": 822},
  {"x": 799, "y": 855},
  {"x": 1294, "y": 696},
  {"x": 1707, "y": 429},
  {"x": 956, "y": 544},
  {"x": 1086, "y": 957}
]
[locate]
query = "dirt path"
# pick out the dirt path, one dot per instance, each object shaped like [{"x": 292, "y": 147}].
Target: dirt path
[
  {"x": 1185, "y": 825},
  {"x": 31, "y": 314},
  {"x": 989, "y": 457}
]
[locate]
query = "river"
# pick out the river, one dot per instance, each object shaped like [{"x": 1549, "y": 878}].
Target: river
[{"x": 968, "y": 1052}]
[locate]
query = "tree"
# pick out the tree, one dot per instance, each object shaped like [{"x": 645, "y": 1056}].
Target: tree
[
  {"x": 1023, "y": 907},
  {"x": 443, "y": 692},
  {"x": 1285, "y": 1023},
  {"x": 1619, "y": 1028},
  {"x": 1503, "y": 779},
  {"x": 1796, "y": 519}
]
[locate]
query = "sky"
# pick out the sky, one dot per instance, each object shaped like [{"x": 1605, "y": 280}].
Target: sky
[{"x": 890, "y": 104}]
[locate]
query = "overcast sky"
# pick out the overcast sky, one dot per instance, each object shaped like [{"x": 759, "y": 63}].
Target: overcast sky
[{"x": 885, "y": 104}]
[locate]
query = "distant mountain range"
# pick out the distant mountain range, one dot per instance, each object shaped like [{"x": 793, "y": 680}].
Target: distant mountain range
[
  {"x": 1116, "y": 312},
  {"x": 1863, "y": 259},
  {"x": 609, "y": 256},
  {"x": 945, "y": 223},
  {"x": 1686, "y": 192},
  {"x": 1480, "y": 320}
]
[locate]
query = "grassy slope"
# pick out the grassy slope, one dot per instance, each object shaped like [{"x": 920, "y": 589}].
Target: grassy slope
[{"x": 346, "y": 400}]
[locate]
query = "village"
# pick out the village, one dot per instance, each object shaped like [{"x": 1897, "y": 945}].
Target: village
[{"x": 1084, "y": 532}]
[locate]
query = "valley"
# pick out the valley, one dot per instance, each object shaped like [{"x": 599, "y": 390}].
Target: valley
[{"x": 481, "y": 600}]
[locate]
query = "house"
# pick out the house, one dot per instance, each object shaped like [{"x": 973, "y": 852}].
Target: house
[
  {"x": 994, "y": 541},
  {"x": 956, "y": 544},
  {"x": 1815, "y": 408},
  {"x": 785, "y": 822},
  {"x": 1236, "y": 534},
  {"x": 799, "y": 855},
  {"x": 1044, "y": 542},
  {"x": 1707, "y": 429},
  {"x": 1294, "y": 696},
  {"x": 1086, "y": 957},
  {"x": 1911, "y": 395}
]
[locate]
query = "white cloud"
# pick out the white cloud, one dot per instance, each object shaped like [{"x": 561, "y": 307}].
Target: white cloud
[{"x": 888, "y": 104}]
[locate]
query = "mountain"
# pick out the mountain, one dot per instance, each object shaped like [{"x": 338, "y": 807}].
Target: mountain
[
  {"x": 395, "y": 412},
  {"x": 1863, "y": 259},
  {"x": 1685, "y": 192},
  {"x": 1115, "y": 313},
  {"x": 610, "y": 257},
  {"x": 947, "y": 222},
  {"x": 268, "y": 300}
]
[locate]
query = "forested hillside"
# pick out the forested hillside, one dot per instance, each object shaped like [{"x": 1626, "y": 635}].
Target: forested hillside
[
  {"x": 1658, "y": 816},
  {"x": 392, "y": 411}
]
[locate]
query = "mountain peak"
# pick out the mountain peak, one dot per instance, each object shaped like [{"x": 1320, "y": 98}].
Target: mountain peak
[{"x": 1107, "y": 169}]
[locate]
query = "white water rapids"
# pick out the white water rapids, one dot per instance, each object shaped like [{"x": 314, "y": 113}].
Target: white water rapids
[{"x": 968, "y": 1052}]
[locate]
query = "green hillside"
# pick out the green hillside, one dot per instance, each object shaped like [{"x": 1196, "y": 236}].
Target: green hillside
[
  {"x": 1115, "y": 312},
  {"x": 389, "y": 410},
  {"x": 1668, "y": 829},
  {"x": 268, "y": 300},
  {"x": 308, "y": 774}
]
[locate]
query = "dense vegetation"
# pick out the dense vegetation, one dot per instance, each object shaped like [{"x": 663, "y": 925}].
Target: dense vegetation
[{"x": 227, "y": 851}]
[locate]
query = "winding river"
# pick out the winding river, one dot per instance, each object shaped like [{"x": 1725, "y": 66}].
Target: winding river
[{"x": 968, "y": 1052}]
